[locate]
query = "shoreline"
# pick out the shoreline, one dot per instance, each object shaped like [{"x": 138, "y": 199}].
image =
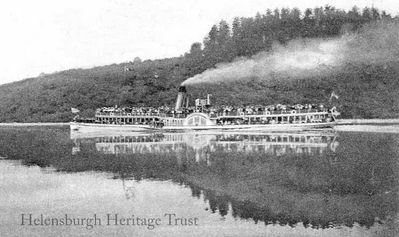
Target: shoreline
[
  {"x": 367, "y": 121},
  {"x": 31, "y": 124}
]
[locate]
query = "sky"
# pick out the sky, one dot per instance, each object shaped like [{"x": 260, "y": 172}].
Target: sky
[{"x": 45, "y": 36}]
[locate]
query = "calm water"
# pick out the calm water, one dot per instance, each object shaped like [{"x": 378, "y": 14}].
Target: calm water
[{"x": 198, "y": 183}]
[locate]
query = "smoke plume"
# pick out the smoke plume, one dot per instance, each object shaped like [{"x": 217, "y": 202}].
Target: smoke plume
[{"x": 377, "y": 43}]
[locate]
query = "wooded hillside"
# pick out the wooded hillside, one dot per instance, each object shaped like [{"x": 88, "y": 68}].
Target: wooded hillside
[{"x": 368, "y": 90}]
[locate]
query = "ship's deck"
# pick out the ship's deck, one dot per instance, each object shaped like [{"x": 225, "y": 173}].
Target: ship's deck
[{"x": 211, "y": 114}]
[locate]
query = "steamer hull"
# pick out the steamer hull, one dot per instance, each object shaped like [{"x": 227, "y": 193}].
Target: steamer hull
[
  {"x": 266, "y": 127},
  {"x": 95, "y": 127}
]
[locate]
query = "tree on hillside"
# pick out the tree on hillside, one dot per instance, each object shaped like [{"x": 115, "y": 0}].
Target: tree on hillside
[
  {"x": 194, "y": 60},
  {"x": 250, "y": 35},
  {"x": 211, "y": 48}
]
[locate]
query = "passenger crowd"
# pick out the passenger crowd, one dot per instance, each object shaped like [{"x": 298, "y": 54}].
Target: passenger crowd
[{"x": 212, "y": 111}]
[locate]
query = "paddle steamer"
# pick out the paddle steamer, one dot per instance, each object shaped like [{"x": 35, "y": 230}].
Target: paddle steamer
[{"x": 205, "y": 116}]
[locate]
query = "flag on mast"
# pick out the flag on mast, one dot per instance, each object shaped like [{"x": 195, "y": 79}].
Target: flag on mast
[{"x": 75, "y": 111}]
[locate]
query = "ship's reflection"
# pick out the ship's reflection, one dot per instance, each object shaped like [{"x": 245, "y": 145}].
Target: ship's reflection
[
  {"x": 315, "y": 179},
  {"x": 203, "y": 144},
  {"x": 284, "y": 178}
]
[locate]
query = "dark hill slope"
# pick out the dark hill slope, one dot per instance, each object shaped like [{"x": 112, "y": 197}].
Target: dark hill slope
[
  {"x": 368, "y": 91},
  {"x": 50, "y": 97}
]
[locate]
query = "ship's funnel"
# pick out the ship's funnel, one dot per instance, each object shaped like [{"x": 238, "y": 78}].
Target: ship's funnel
[{"x": 180, "y": 97}]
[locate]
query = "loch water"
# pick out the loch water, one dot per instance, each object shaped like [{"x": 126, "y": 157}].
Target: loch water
[{"x": 204, "y": 183}]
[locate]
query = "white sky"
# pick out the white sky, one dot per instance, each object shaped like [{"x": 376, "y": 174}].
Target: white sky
[{"x": 53, "y": 35}]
